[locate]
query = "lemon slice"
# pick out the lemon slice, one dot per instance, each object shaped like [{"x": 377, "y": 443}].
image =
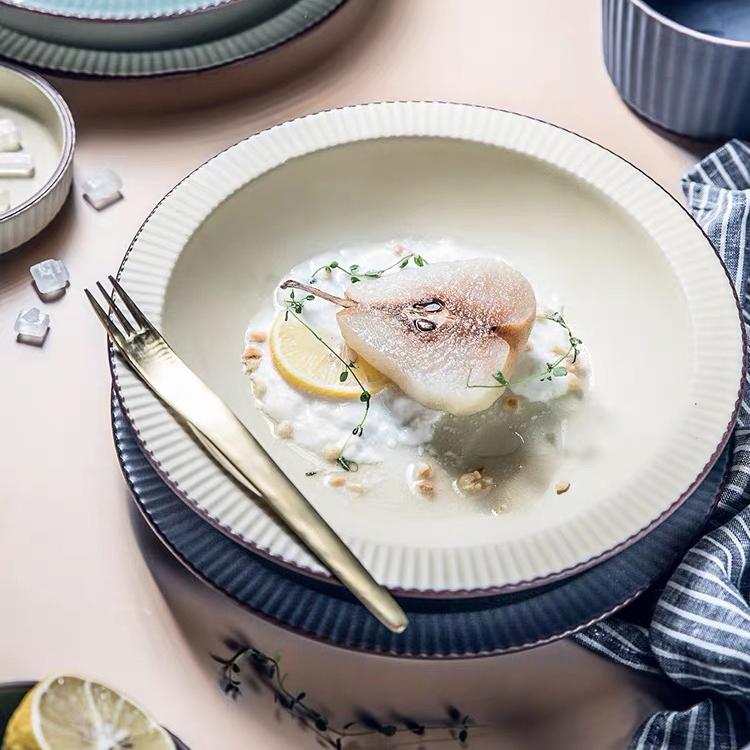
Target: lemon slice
[
  {"x": 306, "y": 363},
  {"x": 70, "y": 713}
]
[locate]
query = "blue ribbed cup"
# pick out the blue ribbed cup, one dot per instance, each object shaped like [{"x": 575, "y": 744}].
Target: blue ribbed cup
[{"x": 684, "y": 80}]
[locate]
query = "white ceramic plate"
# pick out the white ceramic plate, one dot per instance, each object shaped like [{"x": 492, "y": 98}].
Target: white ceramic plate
[
  {"x": 157, "y": 47},
  {"x": 648, "y": 294}
]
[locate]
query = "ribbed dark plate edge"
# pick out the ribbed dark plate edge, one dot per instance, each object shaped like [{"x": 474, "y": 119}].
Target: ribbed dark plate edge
[{"x": 439, "y": 629}]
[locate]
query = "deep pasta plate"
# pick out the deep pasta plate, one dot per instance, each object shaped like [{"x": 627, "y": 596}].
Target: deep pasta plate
[{"x": 633, "y": 274}]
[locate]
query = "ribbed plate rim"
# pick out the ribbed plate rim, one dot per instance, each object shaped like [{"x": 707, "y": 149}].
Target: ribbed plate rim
[
  {"x": 377, "y": 113},
  {"x": 139, "y": 491},
  {"x": 36, "y": 8},
  {"x": 291, "y": 23}
]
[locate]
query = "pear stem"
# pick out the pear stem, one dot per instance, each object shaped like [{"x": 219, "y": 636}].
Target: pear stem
[{"x": 310, "y": 289}]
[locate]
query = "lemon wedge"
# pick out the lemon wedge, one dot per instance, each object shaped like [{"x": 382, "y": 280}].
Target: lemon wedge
[
  {"x": 306, "y": 363},
  {"x": 71, "y": 713}
]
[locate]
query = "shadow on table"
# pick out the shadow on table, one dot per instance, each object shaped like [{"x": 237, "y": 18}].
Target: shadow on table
[
  {"x": 697, "y": 147},
  {"x": 277, "y": 74},
  {"x": 527, "y": 700}
]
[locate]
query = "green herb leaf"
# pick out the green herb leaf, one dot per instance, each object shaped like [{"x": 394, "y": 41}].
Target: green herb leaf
[
  {"x": 346, "y": 464},
  {"x": 500, "y": 378},
  {"x": 554, "y": 369},
  {"x": 344, "y": 375}
]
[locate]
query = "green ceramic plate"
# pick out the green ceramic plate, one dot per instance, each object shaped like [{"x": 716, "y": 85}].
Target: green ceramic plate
[
  {"x": 117, "y": 8},
  {"x": 154, "y": 55},
  {"x": 11, "y": 694},
  {"x": 129, "y": 25}
]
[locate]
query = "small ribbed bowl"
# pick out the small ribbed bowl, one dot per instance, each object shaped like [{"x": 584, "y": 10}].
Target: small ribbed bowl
[
  {"x": 48, "y": 134},
  {"x": 691, "y": 79}
]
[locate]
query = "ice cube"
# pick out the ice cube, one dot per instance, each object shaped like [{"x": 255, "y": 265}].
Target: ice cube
[
  {"x": 16, "y": 165},
  {"x": 102, "y": 188},
  {"x": 31, "y": 325},
  {"x": 4, "y": 200},
  {"x": 10, "y": 136},
  {"x": 50, "y": 276}
]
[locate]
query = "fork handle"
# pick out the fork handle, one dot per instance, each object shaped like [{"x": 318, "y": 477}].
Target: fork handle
[{"x": 231, "y": 444}]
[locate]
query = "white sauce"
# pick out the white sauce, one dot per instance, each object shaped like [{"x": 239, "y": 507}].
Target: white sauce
[{"x": 513, "y": 441}]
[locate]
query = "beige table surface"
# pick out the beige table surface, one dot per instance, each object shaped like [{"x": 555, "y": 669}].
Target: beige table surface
[{"x": 83, "y": 585}]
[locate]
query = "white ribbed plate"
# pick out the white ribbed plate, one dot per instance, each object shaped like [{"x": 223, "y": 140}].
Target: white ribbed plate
[{"x": 646, "y": 290}]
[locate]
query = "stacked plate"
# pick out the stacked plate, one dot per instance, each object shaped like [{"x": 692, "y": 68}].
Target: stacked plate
[
  {"x": 649, "y": 296},
  {"x": 135, "y": 38}
]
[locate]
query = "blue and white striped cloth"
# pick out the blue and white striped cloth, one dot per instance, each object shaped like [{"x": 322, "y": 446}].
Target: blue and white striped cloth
[{"x": 699, "y": 634}]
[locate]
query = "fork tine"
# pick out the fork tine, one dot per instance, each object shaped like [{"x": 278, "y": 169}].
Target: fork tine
[
  {"x": 135, "y": 311},
  {"x": 111, "y": 328},
  {"x": 115, "y": 309}
]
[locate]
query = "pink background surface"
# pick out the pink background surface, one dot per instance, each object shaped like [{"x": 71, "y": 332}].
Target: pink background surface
[{"x": 84, "y": 587}]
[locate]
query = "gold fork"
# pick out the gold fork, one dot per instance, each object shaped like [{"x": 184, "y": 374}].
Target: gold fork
[{"x": 232, "y": 446}]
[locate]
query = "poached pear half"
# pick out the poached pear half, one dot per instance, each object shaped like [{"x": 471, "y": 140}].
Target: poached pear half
[{"x": 432, "y": 330}]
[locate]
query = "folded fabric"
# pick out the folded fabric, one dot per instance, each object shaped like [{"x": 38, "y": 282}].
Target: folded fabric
[{"x": 699, "y": 634}]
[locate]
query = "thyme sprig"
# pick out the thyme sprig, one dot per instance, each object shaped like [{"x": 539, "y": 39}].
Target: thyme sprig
[
  {"x": 551, "y": 370},
  {"x": 268, "y": 668},
  {"x": 294, "y": 307},
  {"x": 356, "y": 275}
]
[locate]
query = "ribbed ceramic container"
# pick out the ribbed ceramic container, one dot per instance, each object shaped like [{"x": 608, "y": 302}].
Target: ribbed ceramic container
[
  {"x": 681, "y": 79},
  {"x": 49, "y": 119}
]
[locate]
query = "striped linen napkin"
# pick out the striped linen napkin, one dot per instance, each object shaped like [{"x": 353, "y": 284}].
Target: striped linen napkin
[{"x": 699, "y": 631}]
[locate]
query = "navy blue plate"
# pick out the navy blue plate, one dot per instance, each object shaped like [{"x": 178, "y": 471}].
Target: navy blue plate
[
  {"x": 438, "y": 628},
  {"x": 11, "y": 695}
]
